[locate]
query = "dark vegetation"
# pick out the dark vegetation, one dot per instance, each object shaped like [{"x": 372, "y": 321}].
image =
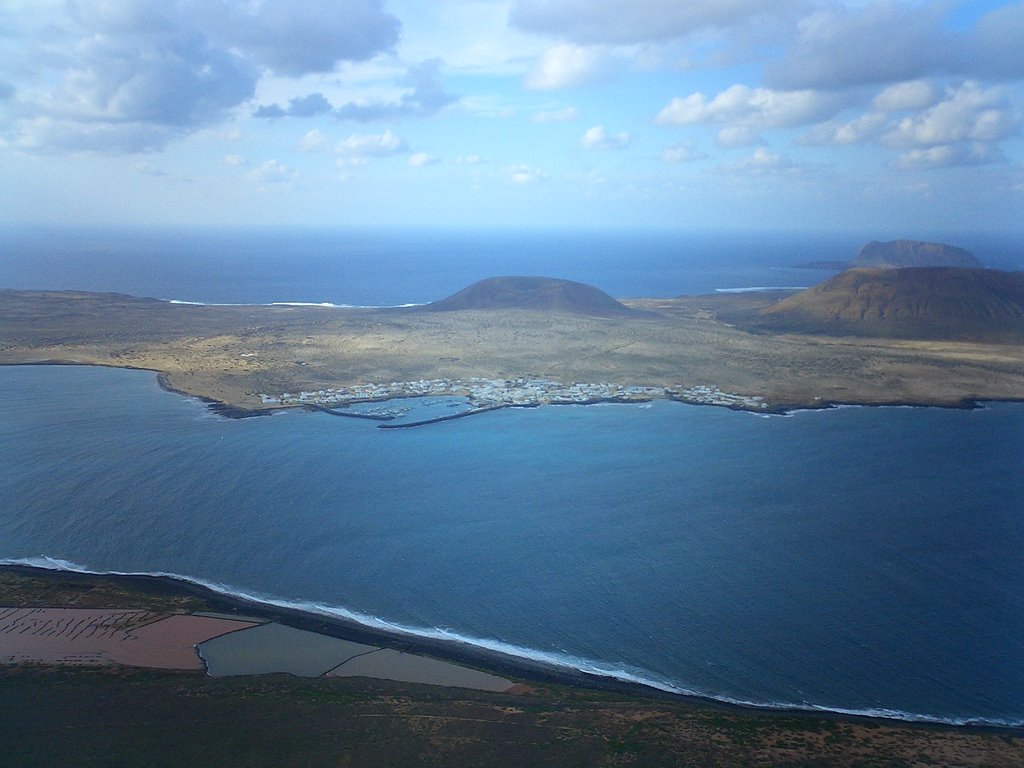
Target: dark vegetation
[{"x": 124, "y": 717}]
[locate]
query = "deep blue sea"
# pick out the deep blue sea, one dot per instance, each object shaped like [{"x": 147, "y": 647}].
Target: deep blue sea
[
  {"x": 857, "y": 559},
  {"x": 385, "y": 267}
]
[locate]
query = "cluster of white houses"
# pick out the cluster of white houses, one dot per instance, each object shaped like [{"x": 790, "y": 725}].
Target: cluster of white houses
[
  {"x": 705, "y": 394},
  {"x": 514, "y": 392}
]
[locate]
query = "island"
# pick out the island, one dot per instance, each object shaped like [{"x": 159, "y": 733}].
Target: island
[
  {"x": 259, "y": 684},
  {"x": 896, "y": 254},
  {"x": 536, "y": 341}
]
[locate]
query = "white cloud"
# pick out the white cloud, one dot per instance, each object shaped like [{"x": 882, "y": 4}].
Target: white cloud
[
  {"x": 421, "y": 159},
  {"x": 297, "y": 38},
  {"x": 877, "y": 41},
  {"x": 636, "y": 21},
  {"x": 905, "y": 97},
  {"x": 844, "y": 44},
  {"x": 312, "y": 141},
  {"x": 149, "y": 169},
  {"x": 272, "y": 172},
  {"x": 950, "y": 155},
  {"x": 426, "y": 97},
  {"x": 48, "y": 135},
  {"x": 764, "y": 162},
  {"x": 761, "y": 107},
  {"x": 564, "y": 66},
  {"x": 566, "y": 115},
  {"x": 357, "y": 149},
  {"x": 597, "y": 138},
  {"x": 122, "y": 76},
  {"x": 524, "y": 174},
  {"x": 744, "y": 111},
  {"x": 995, "y": 43},
  {"x": 473, "y": 36},
  {"x": 740, "y": 135},
  {"x": 950, "y": 131},
  {"x": 867, "y": 127},
  {"x": 967, "y": 113},
  {"x": 234, "y": 160},
  {"x": 682, "y": 152}
]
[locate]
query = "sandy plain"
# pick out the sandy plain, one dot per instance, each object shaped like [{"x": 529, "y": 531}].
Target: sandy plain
[{"x": 232, "y": 354}]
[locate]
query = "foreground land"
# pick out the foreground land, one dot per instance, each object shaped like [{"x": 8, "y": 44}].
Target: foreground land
[
  {"x": 235, "y": 354},
  {"x": 118, "y": 716}
]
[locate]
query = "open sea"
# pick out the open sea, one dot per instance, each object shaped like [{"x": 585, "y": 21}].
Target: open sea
[{"x": 864, "y": 560}]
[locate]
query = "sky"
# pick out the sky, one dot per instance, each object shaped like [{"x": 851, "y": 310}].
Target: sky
[{"x": 883, "y": 116}]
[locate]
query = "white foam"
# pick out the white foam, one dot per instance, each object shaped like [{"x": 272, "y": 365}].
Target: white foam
[
  {"x": 305, "y": 304},
  {"x": 760, "y": 288},
  {"x": 47, "y": 563}
]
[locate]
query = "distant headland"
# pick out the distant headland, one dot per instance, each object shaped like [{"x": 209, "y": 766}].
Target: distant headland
[
  {"x": 896, "y": 254},
  {"x": 914, "y": 253}
]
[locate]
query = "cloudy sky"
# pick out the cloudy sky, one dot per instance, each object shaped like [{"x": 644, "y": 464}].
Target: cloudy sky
[{"x": 888, "y": 115}]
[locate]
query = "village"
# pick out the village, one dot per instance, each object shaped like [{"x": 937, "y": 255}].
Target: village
[{"x": 520, "y": 392}]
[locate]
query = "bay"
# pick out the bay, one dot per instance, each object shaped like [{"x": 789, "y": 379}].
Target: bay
[{"x": 857, "y": 559}]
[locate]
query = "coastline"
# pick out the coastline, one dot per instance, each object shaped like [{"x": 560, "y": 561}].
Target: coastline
[
  {"x": 232, "y": 411},
  {"x": 518, "y": 668},
  {"x": 781, "y": 409},
  {"x": 244, "y": 361}
]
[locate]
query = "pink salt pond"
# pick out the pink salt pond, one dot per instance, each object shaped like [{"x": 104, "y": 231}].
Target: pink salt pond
[{"x": 89, "y": 636}]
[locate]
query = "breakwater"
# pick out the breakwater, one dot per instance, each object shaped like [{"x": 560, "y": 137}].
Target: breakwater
[
  {"x": 351, "y": 414},
  {"x": 450, "y": 416}
]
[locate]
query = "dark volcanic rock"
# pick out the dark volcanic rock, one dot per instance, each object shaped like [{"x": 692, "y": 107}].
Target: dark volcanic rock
[
  {"x": 913, "y": 253},
  {"x": 544, "y": 294},
  {"x": 922, "y": 303}
]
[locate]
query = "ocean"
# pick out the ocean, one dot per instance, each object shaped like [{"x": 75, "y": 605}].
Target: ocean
[
  {"x": 862, "y": 560},
  {"x": 392, "y": 267}
]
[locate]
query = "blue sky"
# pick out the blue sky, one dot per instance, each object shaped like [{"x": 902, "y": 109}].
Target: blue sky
[{"x": 882, "y": 116}]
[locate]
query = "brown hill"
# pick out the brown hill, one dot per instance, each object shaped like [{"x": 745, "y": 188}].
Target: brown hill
[
  {"x": 913, "y": 253},
  {"x": 545, "y": 294},
  {"x": 919, "y": 303}
]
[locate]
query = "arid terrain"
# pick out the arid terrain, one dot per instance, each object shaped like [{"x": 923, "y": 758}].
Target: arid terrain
[{"x": 232, "y": 354}]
